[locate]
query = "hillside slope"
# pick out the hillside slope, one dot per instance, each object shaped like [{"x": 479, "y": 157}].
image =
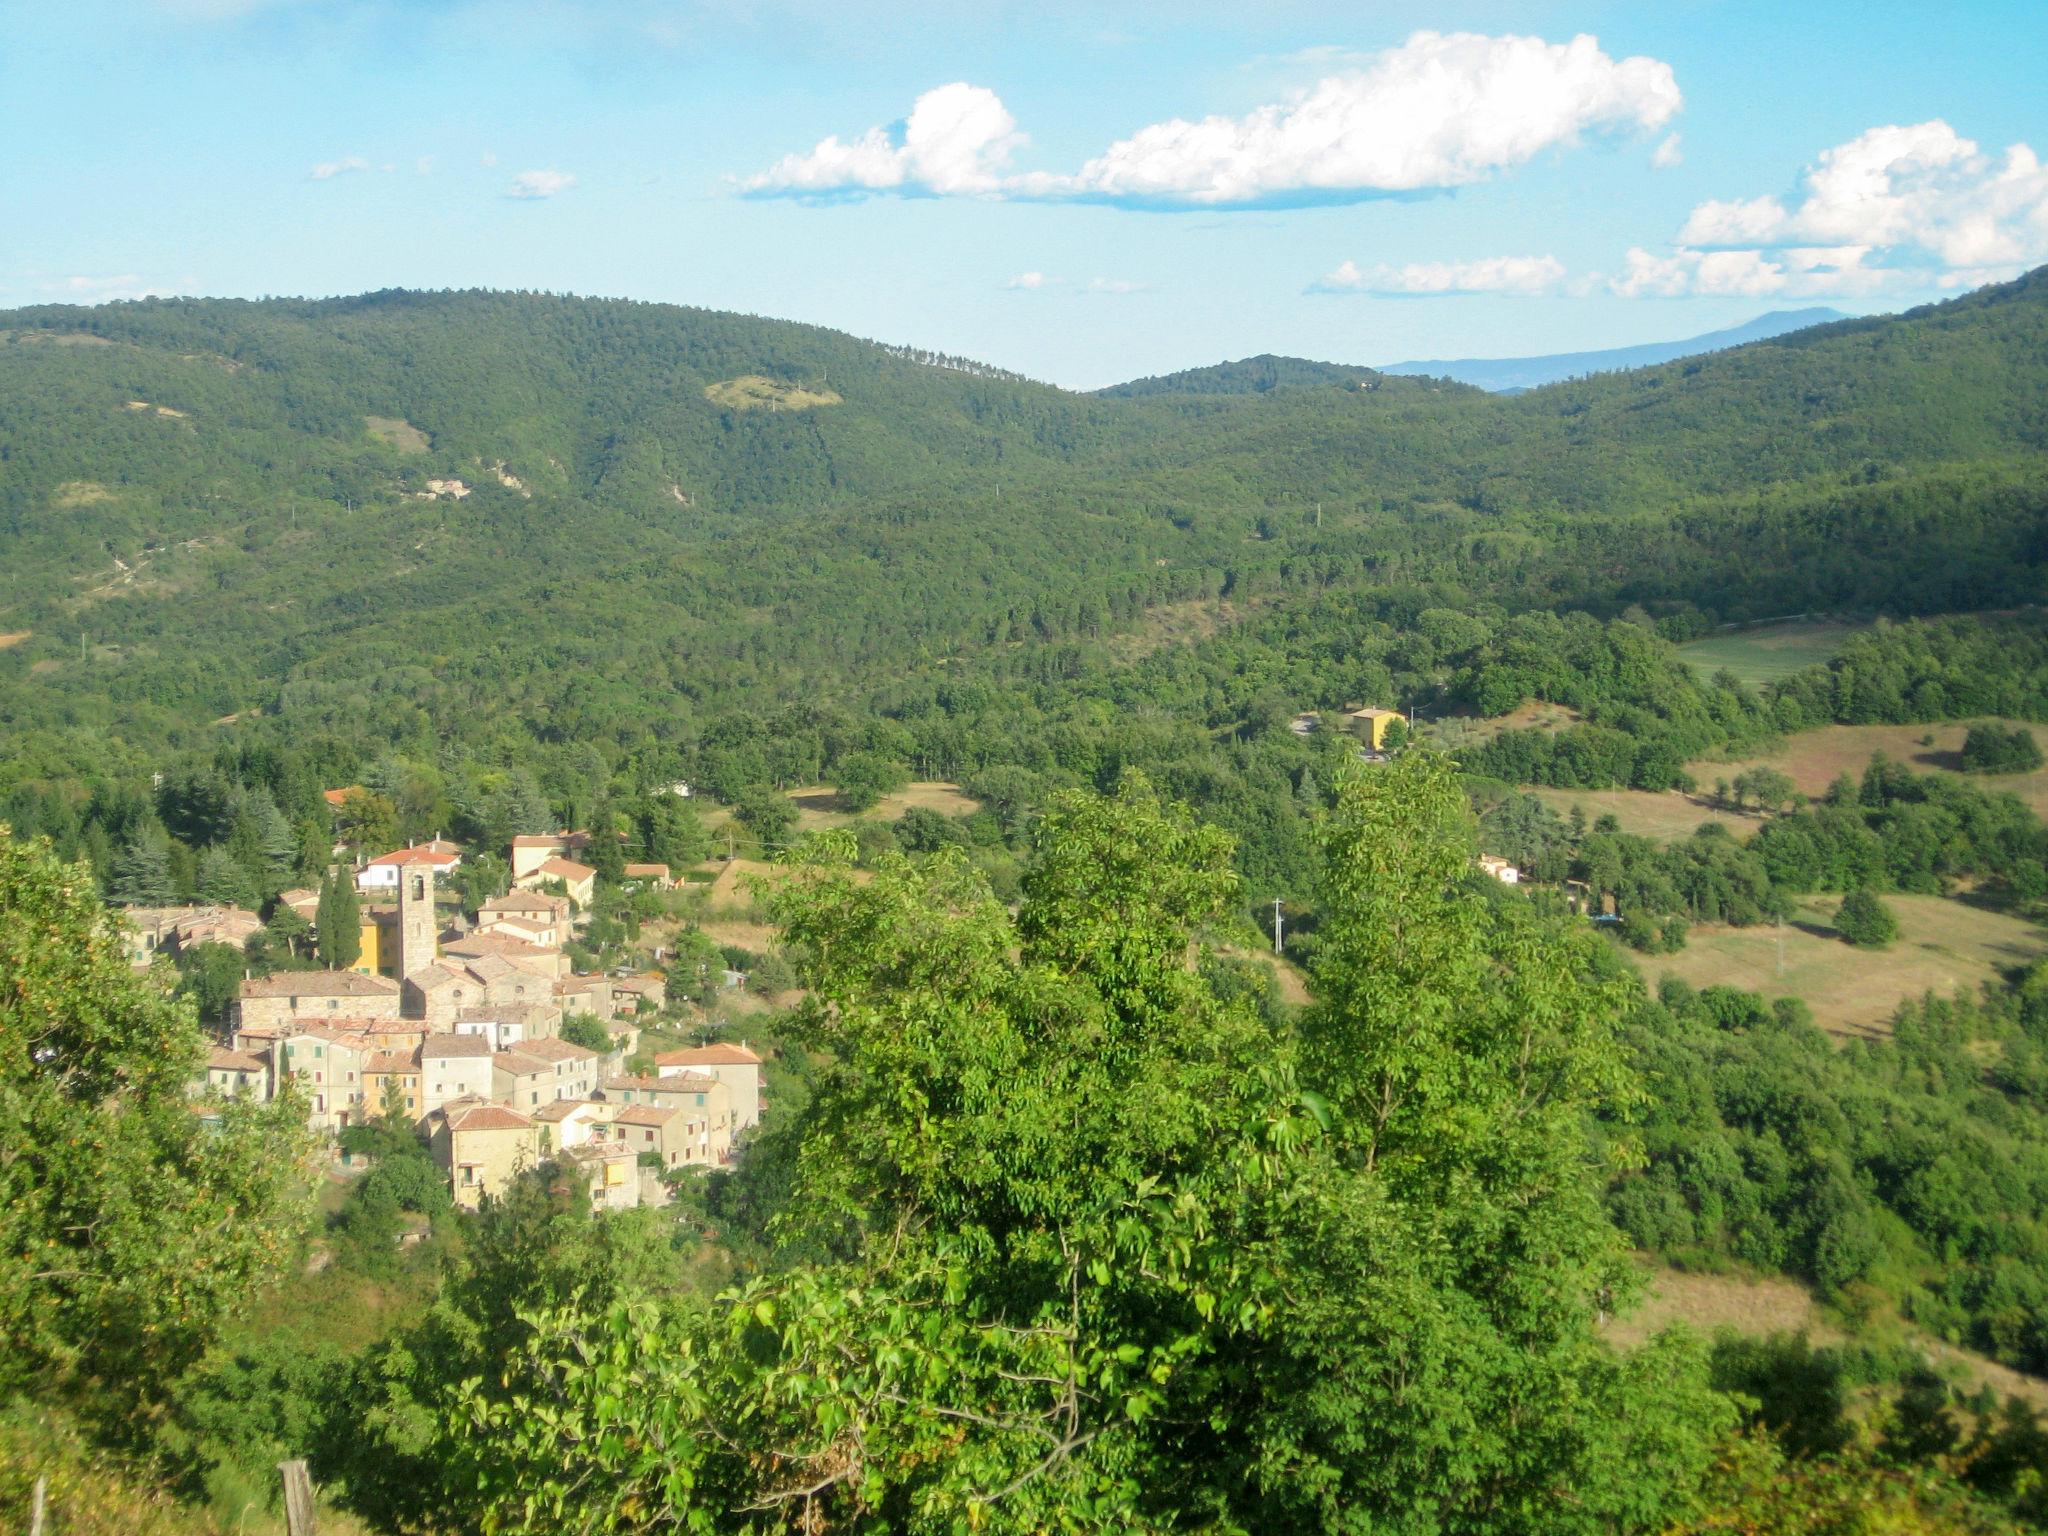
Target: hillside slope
[{"x": 523, "y": 514}]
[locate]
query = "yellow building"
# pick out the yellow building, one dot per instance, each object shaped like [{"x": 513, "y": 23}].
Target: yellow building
[{"x": 1372, "y": 725}]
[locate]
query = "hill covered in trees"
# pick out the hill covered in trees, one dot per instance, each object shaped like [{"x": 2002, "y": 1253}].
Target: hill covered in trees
[{"x": 330, "y": 513}]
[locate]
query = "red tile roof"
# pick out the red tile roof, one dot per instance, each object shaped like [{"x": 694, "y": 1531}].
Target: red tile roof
[
  {"x": 721, "y": 1054},
  {"x": 319, "y": 984},
  {"x": 567, "y": 870},
  {"x": 442, "y": 1047},
  {"x": 646, "y": 1114},
  {"x": 487, "y": 1117},
  {"x": 219, "y": 1059}
]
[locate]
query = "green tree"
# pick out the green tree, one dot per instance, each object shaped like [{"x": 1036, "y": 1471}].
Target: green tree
[
  {"x": 588, "y": 1031},
  {"x": 338, "y": 922},
  {"x": 211, "y": 976},
  {"x": 142, "y": 871},
  {"x": 767, "y": 814},
  {"x": 1865, "y": 921},
  {"x": 224, "y": 880},
  {"x": 128, "y": 1229}
]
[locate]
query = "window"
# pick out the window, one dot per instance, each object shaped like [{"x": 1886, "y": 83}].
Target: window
[{"x": 316, "y": 1051}]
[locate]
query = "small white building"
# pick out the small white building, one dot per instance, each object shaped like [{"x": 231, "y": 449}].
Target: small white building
[{"x": 1500, "y": 869}]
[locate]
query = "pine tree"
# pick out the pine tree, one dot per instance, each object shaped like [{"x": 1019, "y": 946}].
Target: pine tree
[
  {"x": 338, "y": 922},
  {"x": 222, "y": 879},
  {"x": 142, "y": 871}
]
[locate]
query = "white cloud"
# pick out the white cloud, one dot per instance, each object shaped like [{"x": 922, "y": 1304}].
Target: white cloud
[
  {"x": 424, "y": 166},
  {"x": 1441, "y": 110},
  {"x": 1116, "y": 285},
  {"x": 1030, "y": 280},
  {"x": 1669, "y": 153},
  {"x": 1895, "y": 207},
  {"x": 1526, "y": 276},
  {"x": 327, "y": 170},
  {"x": 538, "y": 184},
  {"x": 1794, "y": 272},
  {"x": 957, "y": 139}
]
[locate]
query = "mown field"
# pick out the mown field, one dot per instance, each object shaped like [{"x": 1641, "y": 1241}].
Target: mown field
[
  {"x": 1815, "y": 758},
  {"x": 1663, "y": 816},
  {"x": 1768, "y": 653},
  {"x": 1943, "y": 946}
]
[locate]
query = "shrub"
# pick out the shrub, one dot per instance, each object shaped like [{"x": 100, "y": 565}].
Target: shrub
[{"x": 1865, "y": 921}]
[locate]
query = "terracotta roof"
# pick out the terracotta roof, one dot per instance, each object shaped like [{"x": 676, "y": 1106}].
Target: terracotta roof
[
  {"x": 220, "y": 1059},
  {"x": 487, "y": 1117},
  {"x": 442, "y": 1047},
  {"x": 558, "y": 1050},
  {"x": 521, "y": 901},
  {"x": 565, "y": 869},
  {"x": 349, "y": 1039},
  {"x": 336, "y": 797},
  {"x": 538, "y": 840},
  {"x": 562, "y": 1109},
  {"x": 518, "y": 1061},
  {"x": 721, "y": 1054},
  {"x": 507, "y": 1013},
  {"x": 393, "y": 1061},
  {"x": 679, "y": 1082},
  {"x": 629, "y": 1080},
  {"x": 647, "y": 1114},
  {"x": 319, "y": 984},
  {"x": 1374, "y": 712},
  {"x": 647, "y": 871},
  {"x": 418, "y": 855},
  {"x": 648, "y": 983}
]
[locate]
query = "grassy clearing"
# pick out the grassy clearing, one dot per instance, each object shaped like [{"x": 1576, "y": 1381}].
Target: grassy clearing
[
  {"x": 1769, "y": 653},
  {"x": 752, "y": 392},
  {"x": 1665, "y": 816},
  {"x": 1464, "y": 731},
  {"x": 1815, "y": 758},
  {"x": 1943, "y": 946},
  {"x": 817, "y": 805},
  {"x": 1755, "y": 1306},
  {"x": 398, "y": 432}
]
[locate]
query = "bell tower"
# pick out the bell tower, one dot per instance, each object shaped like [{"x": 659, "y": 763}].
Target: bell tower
[{"x": 417, "y": 924}]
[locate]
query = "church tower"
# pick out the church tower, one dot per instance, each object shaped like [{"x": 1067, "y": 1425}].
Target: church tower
[{"x": 418, "y": 927}]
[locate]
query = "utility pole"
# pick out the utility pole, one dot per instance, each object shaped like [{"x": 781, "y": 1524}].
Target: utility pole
[{"x": 1276, "y": 925}]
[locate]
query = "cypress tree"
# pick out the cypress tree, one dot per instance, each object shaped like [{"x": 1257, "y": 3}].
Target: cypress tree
[{"x": 338, "y": 922}]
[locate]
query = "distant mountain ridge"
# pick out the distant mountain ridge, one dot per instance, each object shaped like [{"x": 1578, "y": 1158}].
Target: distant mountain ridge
[
  {"x": 1507, "y": 375},
  {"x": 1247, "y": 376}
]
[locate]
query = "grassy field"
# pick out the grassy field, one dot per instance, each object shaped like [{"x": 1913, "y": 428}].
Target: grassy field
[
  {"x": 1768, "y": 653},
  {"x": 1943, "y": 946},
  {"x": 1460, "y": 732},
  {"x": 817, "y": 807},
  {"x": 1756, "y": 1306},
  {"x": 1815, "y": 758},
  {"x": 1661, "y": 816},
  {"x": 752, "y": 392}
]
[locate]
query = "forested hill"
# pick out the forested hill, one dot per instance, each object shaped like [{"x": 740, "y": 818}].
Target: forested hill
[
  {"x": 1247, "y": 376},
  {"x": 525, "y": 519}
]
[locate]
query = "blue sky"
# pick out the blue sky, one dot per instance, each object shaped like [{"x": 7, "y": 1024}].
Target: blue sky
[{"x": 1082, "y": 192}]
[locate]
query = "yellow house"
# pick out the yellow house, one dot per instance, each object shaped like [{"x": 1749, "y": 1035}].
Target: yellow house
[{"x": 1372, "y": 724}]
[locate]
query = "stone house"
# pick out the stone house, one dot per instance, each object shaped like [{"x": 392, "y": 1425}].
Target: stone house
[
  {"x": 454, "y": 1067},
  {"x": 482, "y": 1147},
  {"x": 733, "y": 1065},
  {"x": 327, "y": 1066},
  {"x": 610, "y": 1169},
  {"x": 579, "y": 880},
  {"x": 237, "y": 1074},
  {"x": 399, "y": 1074},
  {"x": 306, "y": 996}
]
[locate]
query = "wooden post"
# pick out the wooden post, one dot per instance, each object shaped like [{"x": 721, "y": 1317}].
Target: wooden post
[
  {"x": 298, "y": 1498},
  {"x": 37, "y": 1499}
]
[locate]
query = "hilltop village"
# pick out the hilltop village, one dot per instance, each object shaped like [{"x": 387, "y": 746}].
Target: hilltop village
[{"x": 476, "y": 1032}]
